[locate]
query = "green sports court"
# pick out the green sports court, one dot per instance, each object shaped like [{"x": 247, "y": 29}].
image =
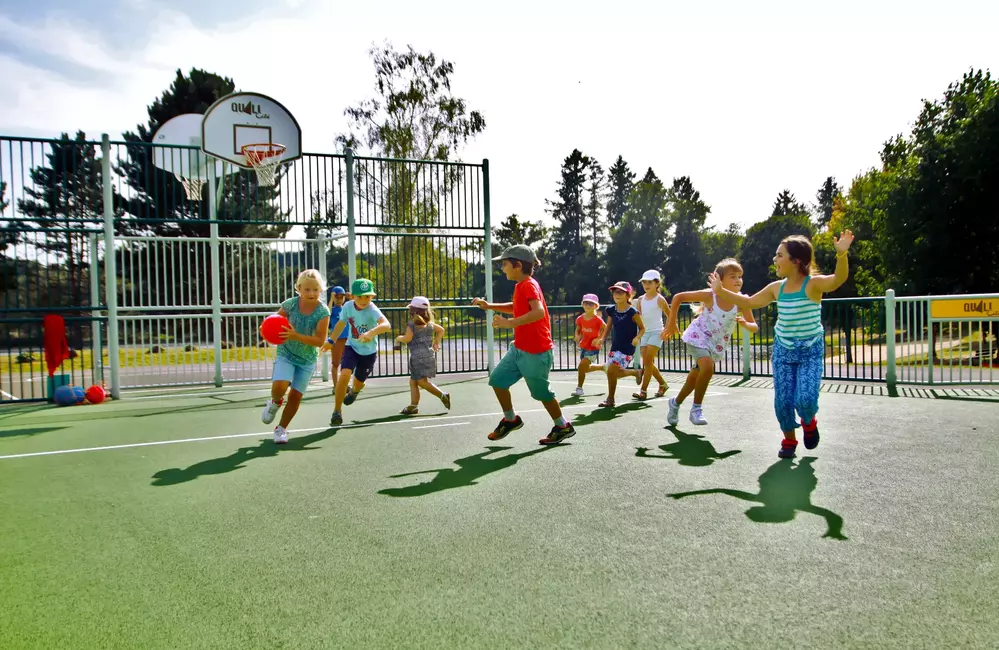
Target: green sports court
[{"x": 169, "y": 519}]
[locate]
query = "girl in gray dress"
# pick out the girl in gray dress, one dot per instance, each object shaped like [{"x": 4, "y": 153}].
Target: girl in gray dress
[{"x": 423, "y": 336}]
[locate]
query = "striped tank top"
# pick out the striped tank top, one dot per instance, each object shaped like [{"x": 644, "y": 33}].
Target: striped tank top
[{"x": 799, "y": 318}]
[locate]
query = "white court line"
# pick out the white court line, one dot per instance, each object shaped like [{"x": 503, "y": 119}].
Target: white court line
[
  {"x": 437, "y": 426},
  {"x": 258, "y": 434},
  {"x": 6, "y": 394}
]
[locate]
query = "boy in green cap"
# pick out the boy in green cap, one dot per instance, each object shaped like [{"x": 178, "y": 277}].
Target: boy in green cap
[
  {"x": 366, "y": 322},
  {"x": 530, "y": 356}
]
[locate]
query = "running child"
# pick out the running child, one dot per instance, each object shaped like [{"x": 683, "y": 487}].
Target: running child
[
  {"x": 589, "y": 328},
  {"x": 423, "y": 336},
  {"x": 626, "y": 328},
  {"x": 297, "y": 355},
  {"x": 337, "y": 297},
  {"x": 799, "y": 338},
  {"x": 530, "y": 357},
  {"x": 707, "y": 337},
  {"x": 651, "y": 306},
  {"x": 366, "y": 322}
]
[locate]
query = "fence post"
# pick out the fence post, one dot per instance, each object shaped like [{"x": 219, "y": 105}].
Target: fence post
[
  {"x": 351, "y": 226},
  {"x": 96, "y": 349},
  {"x": 747, "y": 353},
  {"x": 321, "y": 243},
  {"x": 213, "y": 234},
  {"x": 890, "y": 377},
  {"x": 928, "y": 304},
  {"x": 488, "y": 263},
  {"x": 110, "y": 272}
]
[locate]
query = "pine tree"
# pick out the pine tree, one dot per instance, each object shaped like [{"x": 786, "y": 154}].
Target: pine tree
[
  {"x": 564, "y": 272},
  {"x": 825, "y": 198},
  {"x": 622, "y": 180},
  {"x": 683, "y": 268}
]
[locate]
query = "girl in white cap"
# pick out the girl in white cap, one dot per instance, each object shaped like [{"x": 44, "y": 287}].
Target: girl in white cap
[
  {"x": 423, "y": 337},
  {"x": 651, "y": 306}
]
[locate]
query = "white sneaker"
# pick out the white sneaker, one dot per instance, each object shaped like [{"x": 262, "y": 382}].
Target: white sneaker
[
  {"x": 673, "y": 415},
  {"x": 696, "y": 416},
  {"x": 578, "y": 392},
  {"x": 280, "y": 436},
  {"x": 270, "y": 410}
]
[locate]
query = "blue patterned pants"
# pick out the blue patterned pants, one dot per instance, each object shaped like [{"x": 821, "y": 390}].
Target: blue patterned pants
[{"x": 797, "y": 376}]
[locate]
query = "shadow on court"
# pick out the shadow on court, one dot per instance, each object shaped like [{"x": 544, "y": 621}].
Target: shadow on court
[
  {"x": 11, "y": 433},
  {"x": 689, "y": 449},
  {"x": 785, "y": 489},
  {"x": 238, "y": 459},
  {"x": 608, "y": 414},
  {"x": 470, "y": 470}
]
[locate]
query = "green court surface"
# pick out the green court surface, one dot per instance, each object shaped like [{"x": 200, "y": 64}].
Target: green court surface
[{"x": 418, "y": 532}]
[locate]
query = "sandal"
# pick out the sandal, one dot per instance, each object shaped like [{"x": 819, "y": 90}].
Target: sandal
[
  {"x": 640, "y": 395},
  {"x": 662, "y": 390},
  {"x": 607, "y": 403},
  {"x": 409, "y": 410}
]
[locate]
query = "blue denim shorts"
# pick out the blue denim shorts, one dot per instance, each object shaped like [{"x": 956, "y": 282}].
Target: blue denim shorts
[{"x": 298, "y": 376}]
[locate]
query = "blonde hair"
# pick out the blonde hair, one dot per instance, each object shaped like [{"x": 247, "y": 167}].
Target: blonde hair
[
  {"x": 727, "y": 265},
  {"x": 422, "y": 316},
  {"x": 311, "y": 274}
]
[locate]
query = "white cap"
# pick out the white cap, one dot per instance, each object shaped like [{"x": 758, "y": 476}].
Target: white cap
[
  {"x": 651, "y": 274},
  {"x": 420, "y": 302}
]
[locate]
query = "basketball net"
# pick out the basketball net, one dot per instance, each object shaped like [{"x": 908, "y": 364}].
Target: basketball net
[
  {"x": 264, "y": 158},
  {"x": 192, "y": 187}
]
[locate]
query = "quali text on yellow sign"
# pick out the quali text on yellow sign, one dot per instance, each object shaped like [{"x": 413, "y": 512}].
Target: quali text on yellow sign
[{"x": 977, "y": 308}]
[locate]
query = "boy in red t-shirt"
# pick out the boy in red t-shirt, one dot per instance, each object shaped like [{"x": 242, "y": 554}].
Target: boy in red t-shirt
[
  {"x": 530, "y": 356},
  {"x": 589, "y": 328}
]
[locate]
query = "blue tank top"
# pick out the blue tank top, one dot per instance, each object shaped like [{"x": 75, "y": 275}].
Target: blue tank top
[{"x": 623, "y": 329}]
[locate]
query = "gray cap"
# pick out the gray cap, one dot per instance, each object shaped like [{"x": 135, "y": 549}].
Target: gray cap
[{"x": 521, "y": 252}]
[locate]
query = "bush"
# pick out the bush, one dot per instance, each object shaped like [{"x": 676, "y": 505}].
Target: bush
[
  {"x": 190, "y": 348},
  {"x": 25, "y": 357},
  {"x": 155, "y": 349}
]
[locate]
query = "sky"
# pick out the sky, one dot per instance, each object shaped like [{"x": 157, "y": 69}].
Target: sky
[{"x": 748, "y": 99}]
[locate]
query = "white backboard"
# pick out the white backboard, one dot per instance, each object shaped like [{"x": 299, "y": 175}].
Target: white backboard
[
  {"x": 183, "y": 131},
  {"x": 248, "y": 118}
]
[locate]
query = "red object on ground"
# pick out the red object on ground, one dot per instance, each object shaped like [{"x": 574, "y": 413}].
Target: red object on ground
[
  {"x": 96, "y": 394},
  {"x": 54, "y": 342},
  {"x": 272, "y": 327}
]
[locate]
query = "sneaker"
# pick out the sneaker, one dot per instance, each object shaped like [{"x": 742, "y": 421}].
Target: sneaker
[
  {"x": 270, "y": 410},
  {"x": 505, "y": 427},
  {"x": 578, "y": 392},
  {"x": 410, "y": 410},
  {"x": 558, "y": 434},
  {"x": 446, "y": 400},
  {"x": 349, "y": 398},
  {"x": 280, "y": 436},
  {"x": 811, "y": 434},
  {"x": 336, "y": 419},
  {"x": 787, "y": 448},
  {"x": 697, "y": 416},
  {"x": 673, "y": 415}
]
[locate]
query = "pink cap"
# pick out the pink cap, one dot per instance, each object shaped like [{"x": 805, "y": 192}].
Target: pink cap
[{"x": 591, "y": 297}]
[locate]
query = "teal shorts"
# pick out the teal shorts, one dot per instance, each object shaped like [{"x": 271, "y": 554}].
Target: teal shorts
[{"x": 532, "y": 368}]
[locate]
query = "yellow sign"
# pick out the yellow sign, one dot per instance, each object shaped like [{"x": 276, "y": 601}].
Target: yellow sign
[{"x": 970, "y": 308}]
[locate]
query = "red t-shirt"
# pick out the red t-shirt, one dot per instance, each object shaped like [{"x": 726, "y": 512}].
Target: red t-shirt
[
  {"x": 589, "y": 330},
  {"x": 535, "y": 337}
]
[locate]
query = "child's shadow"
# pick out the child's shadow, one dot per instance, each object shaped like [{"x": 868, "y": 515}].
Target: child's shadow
[
  {"x": 785, "y": 489},
  {"x": 238, "y": 459},
  {"x": 608, "y": 414},
  {"x": 470, "y": 470},
  {"x": 690, "y": 449}
]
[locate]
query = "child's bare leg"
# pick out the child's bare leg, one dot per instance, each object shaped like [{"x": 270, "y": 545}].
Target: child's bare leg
[
  {"x": 341, "y": 388},
  {"x": 649, "y": 367},
  {"x": 613, "y": 372},
  {"x": 584, "y": 367},
  {"x": 414, "y": 392},
  {"x": 278, "y": 389},
  {"x": 706, "y": 368},
  {"x": 336, "y": 355},
  {"x": 429, "y": 386},
  {"x": 291, "y": 408},
  {"x": 504, "y": 398},
  {"x": 688, "y": 385},
  {"x": 553, "y": 408}
]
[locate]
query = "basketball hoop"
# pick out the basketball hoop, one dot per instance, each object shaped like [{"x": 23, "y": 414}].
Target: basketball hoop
[
  {"x": 264, "y": 159},
  {"x": 192, "y": 187}
]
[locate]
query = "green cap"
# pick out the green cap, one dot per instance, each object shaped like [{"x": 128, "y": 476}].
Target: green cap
[
  {"x": 521, "y": 252},
  {"x": 362, "y": 287}
]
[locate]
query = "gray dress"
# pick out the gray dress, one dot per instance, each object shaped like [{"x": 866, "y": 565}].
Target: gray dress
[{"x": 422, "y": 360}]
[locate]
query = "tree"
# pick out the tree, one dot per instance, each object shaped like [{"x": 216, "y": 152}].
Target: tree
[
  {"x": 824, "y": 202},
  {"x": 9, "y": 236},
  {"x": 565, "y": 271},
  {"x": 596, "y": 222},
  {"x": 720, "y": 245},
  {"x": 683, "y": 269},
  {"x": 786, "y": 204},
  {"x": 640, "y": 241},
  {"x": 513, "y": 230},
  {"x": 622, "y": 180},
  {"x": 65, "y": 197}
]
